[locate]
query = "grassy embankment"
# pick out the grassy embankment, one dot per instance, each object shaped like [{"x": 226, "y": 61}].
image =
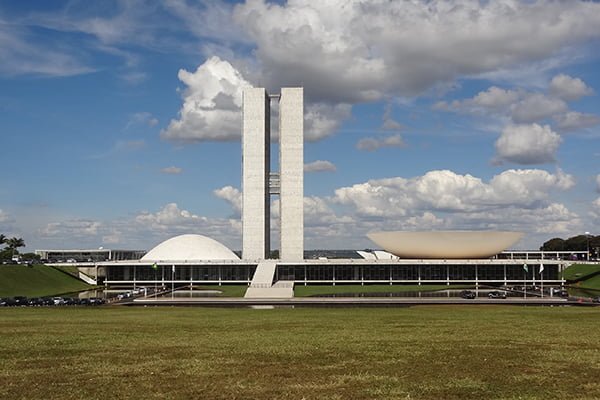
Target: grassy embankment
[
  {"x": 584, "y": 279},
  {"x": 37, "y": 280},
  {"x": 444, "y": 352},
  {"x": 315, "y": 290}
]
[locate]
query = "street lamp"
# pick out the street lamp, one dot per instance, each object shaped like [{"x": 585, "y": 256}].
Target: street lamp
[{"x": 587, "y": 237}]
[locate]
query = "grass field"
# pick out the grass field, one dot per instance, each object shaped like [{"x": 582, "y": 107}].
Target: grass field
[
  {"x": 226, "y": 290},
  {"x": 312, "y": 290},
  {"x": 580, "y": 271},
  {"x": 445, "y": 352},
  {"x": 36, "y": 280}
]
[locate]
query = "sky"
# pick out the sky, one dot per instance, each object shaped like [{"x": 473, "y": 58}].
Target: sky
[{"x": 120, "y": 120}]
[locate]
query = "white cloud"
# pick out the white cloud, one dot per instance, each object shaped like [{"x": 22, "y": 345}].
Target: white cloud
[
  {"x": 495, "y": 98},
  {"x": 322, "y": 120},
  {"x": 69, "y": 228},
  {"x": 569, "y": 88},
  {"x": 573, "y": 121},
  {"x": 4, "y": 217},
  {"x": 536, "y": 107},
  {"x": 172, "y": 170},
  {"x": 520, "y": 105},
  {"x": 212, "y": 101},
  {"x": 372, "y": 144},
  {"x": 527, "y": 144},
  {"x": 232, "y": 195},
  {"x": 512, "y": 200},
  {"x": 368, "y": 50},
  {"x": 389, "y": 123},
  {"x": 596, "y": 206},
  {"x": 143, "y": 118},
  {"x": 319, "y": 166},
  {"x": 21, "y": 55},
  {"x": 142, "y": 231},
  {"x": 598, "y": 183},
  {"x": 446, "y": 191}
]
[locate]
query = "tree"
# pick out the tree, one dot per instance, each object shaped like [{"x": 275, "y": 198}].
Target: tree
[
  {"x": 556, "y": 244},
  {"x": 2, "y": 239},
  {"x": 14, "y": 243}
]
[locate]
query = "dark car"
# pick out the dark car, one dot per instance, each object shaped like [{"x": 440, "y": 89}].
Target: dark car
[
  {"x": 47, "y": 301},
  {"x": 21, "y": 301},
  {"x": 36, "y": 301},
  {"x": 497, "y": 294},
  {"x": 96, "y": 301},
  {"x": 467, "y": 294}
]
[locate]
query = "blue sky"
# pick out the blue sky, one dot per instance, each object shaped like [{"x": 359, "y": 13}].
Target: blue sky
[{"x": 120, "y": 119}]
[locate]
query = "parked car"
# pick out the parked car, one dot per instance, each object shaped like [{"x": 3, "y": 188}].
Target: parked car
[
  {"x": 47, "y": 301},
  {"x": 36, "y": 301},
  {"x": 467, "y": 294},
  {"x": 21, "y": 301},
  {"x": 497, "y": 294},
  {"x": 58, "y": 301},
  {"x": 96, "y": 301}
]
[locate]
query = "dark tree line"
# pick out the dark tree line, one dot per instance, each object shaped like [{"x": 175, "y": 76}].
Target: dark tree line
[{"x": 575, "y": 243}]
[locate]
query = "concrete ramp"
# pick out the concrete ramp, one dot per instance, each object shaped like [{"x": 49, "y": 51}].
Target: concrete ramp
[{"x": 262, "y": 283}]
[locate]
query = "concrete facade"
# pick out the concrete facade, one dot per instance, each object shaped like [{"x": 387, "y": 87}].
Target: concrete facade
[
  {"x": 255, "y": 174},
  {"x": 259, "y": 183},
  {"x": 291, "y": 171}
]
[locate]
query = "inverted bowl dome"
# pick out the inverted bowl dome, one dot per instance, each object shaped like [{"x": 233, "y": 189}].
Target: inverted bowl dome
[
  {"x": 445, "y": 244},
  {"x": 190, "y": 247}
]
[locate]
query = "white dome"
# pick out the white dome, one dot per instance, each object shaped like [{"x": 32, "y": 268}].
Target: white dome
[{"x": 190, "y": 247}]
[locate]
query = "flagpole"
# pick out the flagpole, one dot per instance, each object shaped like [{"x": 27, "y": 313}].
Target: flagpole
[{"x": 525, "y": 270}]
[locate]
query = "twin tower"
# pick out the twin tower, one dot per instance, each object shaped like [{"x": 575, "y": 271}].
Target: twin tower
[{"x": 259, "y": 183}]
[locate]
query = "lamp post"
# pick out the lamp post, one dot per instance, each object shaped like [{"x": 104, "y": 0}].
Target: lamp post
[{"x": 587, "y": 237}]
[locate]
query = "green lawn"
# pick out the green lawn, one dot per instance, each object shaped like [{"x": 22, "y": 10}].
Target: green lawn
[
  {"x": 36, "y": 280},
  {"x": 580, "y": 271},
  {"x": 312, "y": 290},
  {"x": 444, "y": 352},
  {"x": 226, "y": 290}
]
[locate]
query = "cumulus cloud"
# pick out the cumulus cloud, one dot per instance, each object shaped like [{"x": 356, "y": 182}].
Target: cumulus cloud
[
  {"x": 373, "y": 144},
  {"x": 366, "y": 50},
  {"x": 447, "y": 191},
  {"x": 322, "y": 120},
  {"x": 536, "y": 107},
  {"x": 520, "y": 105},
  {"x": 512, "y": 200},
  {"x": 319, "y": 166},
  {"x": 172, "y": 170},
  {"x": 142, "y": 230},
  {"x": 212, "y": 101},
  {"x": 76, "y": 227},
  {"x": 573, "y": 121},
  {"x": 527, "y": 144},
  {"x": 211, "y": 104},
  {"x": 231, "y": 195},
  {"x": 569, "y": 88}
]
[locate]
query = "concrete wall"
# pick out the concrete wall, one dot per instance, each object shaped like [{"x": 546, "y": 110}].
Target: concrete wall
[
  {"x": 255, "y": 174},
  {"x": 291, "y": 165}
]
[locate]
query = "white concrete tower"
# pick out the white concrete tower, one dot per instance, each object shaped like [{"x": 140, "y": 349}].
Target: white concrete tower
[
  {"x": 255, "y": 174},
  {"x": 291, "y": 172}
]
